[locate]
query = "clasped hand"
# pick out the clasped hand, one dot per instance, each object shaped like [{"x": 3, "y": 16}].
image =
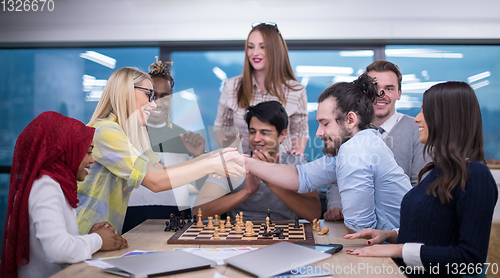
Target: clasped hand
[{"x": 111, "y": 239}]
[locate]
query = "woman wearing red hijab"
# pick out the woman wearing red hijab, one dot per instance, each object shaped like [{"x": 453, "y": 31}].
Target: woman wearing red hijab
[{"x": 41, "y": 231}]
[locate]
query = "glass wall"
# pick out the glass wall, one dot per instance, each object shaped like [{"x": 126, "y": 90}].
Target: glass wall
[
  {"x": 426, "y": 65},
  {"x": 206, "y": 71},
  {"x": 68, "y": 81}
]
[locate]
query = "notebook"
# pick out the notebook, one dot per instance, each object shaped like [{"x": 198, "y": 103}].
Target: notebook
[
  {"x": 276, "y": 259},
  {"x": 168, "y": 262}
]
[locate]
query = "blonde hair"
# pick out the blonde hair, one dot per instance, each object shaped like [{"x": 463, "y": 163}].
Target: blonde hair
[{"x": 118, "y": 99}]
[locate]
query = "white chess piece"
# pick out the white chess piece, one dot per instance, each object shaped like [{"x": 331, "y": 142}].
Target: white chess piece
[
  {"x": 222, "y": 227},
  {"x": 210, "y": 225},
  {"x": 216, "y": 235}
]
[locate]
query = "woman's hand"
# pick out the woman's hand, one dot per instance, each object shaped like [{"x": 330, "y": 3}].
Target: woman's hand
[
  {"x": 101, "y": 225},
  {"x": 233, "y": 160},
  {"x": 111, "y": 240},
  {"x": 379, "y": 250},
  {"x": 372, "y": 235}
]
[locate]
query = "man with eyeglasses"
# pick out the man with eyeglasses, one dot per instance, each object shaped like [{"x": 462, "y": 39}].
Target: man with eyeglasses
[{"x": 399, "y": 131}]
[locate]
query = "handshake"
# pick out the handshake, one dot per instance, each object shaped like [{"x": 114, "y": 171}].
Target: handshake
[{"x": 227, "y": 162}]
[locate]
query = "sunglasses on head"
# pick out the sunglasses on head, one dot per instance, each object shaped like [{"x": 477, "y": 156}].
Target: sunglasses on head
[
  {"x": 150, "y": 94},
  {"x": 255, "y": 24}
]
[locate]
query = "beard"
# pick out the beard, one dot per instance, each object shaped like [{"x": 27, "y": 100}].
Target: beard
[{"x": 337, "y": 142}]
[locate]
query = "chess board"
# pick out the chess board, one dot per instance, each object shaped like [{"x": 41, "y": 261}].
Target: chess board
[{"x": 190, "y": 234}]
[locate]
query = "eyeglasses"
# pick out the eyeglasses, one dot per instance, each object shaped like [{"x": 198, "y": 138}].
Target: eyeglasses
[
  {"x": 151, "y": 94},
  {"x": 255, "y": 24}
]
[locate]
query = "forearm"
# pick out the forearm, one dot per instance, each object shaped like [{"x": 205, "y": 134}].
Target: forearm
[
  {"x": 178, "y": 176},
  {"x": 281, "y": 175},
  {"x": 220, "y": 205},
  {"x": 307, "y": 206},
  {"x": 188, "y": 162}
]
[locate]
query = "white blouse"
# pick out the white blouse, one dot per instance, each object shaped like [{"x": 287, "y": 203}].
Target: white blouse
[{"x": 54, "y": 238}]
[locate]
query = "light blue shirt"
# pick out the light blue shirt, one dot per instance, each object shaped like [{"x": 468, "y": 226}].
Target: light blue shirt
[{"x": 371, "y": 184}]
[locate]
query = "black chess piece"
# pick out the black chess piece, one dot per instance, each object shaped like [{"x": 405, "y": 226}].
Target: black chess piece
[
  {"x": 277, "y": 232},
  {"x": 183, "y": 221},
  {"x": 167, "y": 226},
  {"x": 296, "y": 222},
  {"x": 267, "y": 234},
  {"x": 269, "y": 215},
  {"x": 281, "y": 235}
]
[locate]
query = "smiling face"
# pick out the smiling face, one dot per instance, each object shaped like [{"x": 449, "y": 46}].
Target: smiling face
[
  {"x": 256, "y": 51},
  {"x": 84, "y": 167},
  {"x": 163, "y": 93},
  {"x": 142, "y": 100},
  {"x": 423, "y": 130},
  {"x": 334, "y": 134},
  {"x": 263, "y": 136},
  {"x": 385, "y": 106}
]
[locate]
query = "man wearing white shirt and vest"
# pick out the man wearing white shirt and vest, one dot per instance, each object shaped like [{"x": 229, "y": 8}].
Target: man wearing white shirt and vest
[{"x": 399, "y": 131}]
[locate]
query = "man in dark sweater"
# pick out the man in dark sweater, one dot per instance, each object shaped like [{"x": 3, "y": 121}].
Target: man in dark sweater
[
  {"x": 399, "y": 131},
  {"x": 267, "y": 126}
]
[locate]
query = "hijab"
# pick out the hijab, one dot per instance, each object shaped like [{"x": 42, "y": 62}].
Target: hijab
[{"x": 52, "y": 145}]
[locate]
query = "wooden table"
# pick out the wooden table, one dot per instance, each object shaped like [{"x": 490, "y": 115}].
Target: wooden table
[{"x": 149, "y": 236}]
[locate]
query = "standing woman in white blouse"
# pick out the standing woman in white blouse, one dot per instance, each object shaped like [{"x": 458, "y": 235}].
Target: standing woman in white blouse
[
  {"x": 267, "y": 75},
  {"x": 41, "y": 233}
]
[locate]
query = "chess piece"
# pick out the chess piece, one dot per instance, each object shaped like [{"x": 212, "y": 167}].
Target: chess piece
[
  {"x": 315, "y": 221},
  {"x": 183, "y": 221},
  {"x": 324, "y": 231},
  {"x": 222, "y": 228},
  {"x": 251, "y": 226},
  {"x": 249, "y": 229},
  {"x": 318, "y": 227},
  {"x": 216, "y": 221},
  {"x": 269, "y": 216},
  {"x": 237, "y": 220},
  {"x": 237, "y": 229},
  {"x": 199, "y": 224},
  {"x": 281, "y": 235},
  {"x": 228, "y": 223},
  {"x": 216, "y": 235},
  {"x": 297, "y": 225},
  {"x": 210, "y": 225},
  {"x": 241, "y": 218}
]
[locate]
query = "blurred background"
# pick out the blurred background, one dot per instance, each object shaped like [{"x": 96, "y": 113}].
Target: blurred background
[{"x": 60, "y": 58}]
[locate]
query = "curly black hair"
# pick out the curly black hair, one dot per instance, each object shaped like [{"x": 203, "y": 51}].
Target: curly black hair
[{"x": 162, "y": 70}]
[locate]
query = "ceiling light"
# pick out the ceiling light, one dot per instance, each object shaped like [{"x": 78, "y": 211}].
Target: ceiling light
[{"x": 99, "y": 58}]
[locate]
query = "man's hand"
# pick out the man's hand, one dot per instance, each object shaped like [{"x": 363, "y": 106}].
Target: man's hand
[
  {"x": 194, "y": 143},
  {"x": 333, "y": 214},
  {"x": 265, "y": 156},
  {"x": 252, "y": 184}
]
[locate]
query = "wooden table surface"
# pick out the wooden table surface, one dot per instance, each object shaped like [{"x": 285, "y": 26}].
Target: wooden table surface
[{"x": 149, "y": 236}]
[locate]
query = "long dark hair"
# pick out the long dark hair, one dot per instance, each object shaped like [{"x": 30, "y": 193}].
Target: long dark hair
[
  {"x": 455, "y": 136},
  {"x": 357, "y": 96}
]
